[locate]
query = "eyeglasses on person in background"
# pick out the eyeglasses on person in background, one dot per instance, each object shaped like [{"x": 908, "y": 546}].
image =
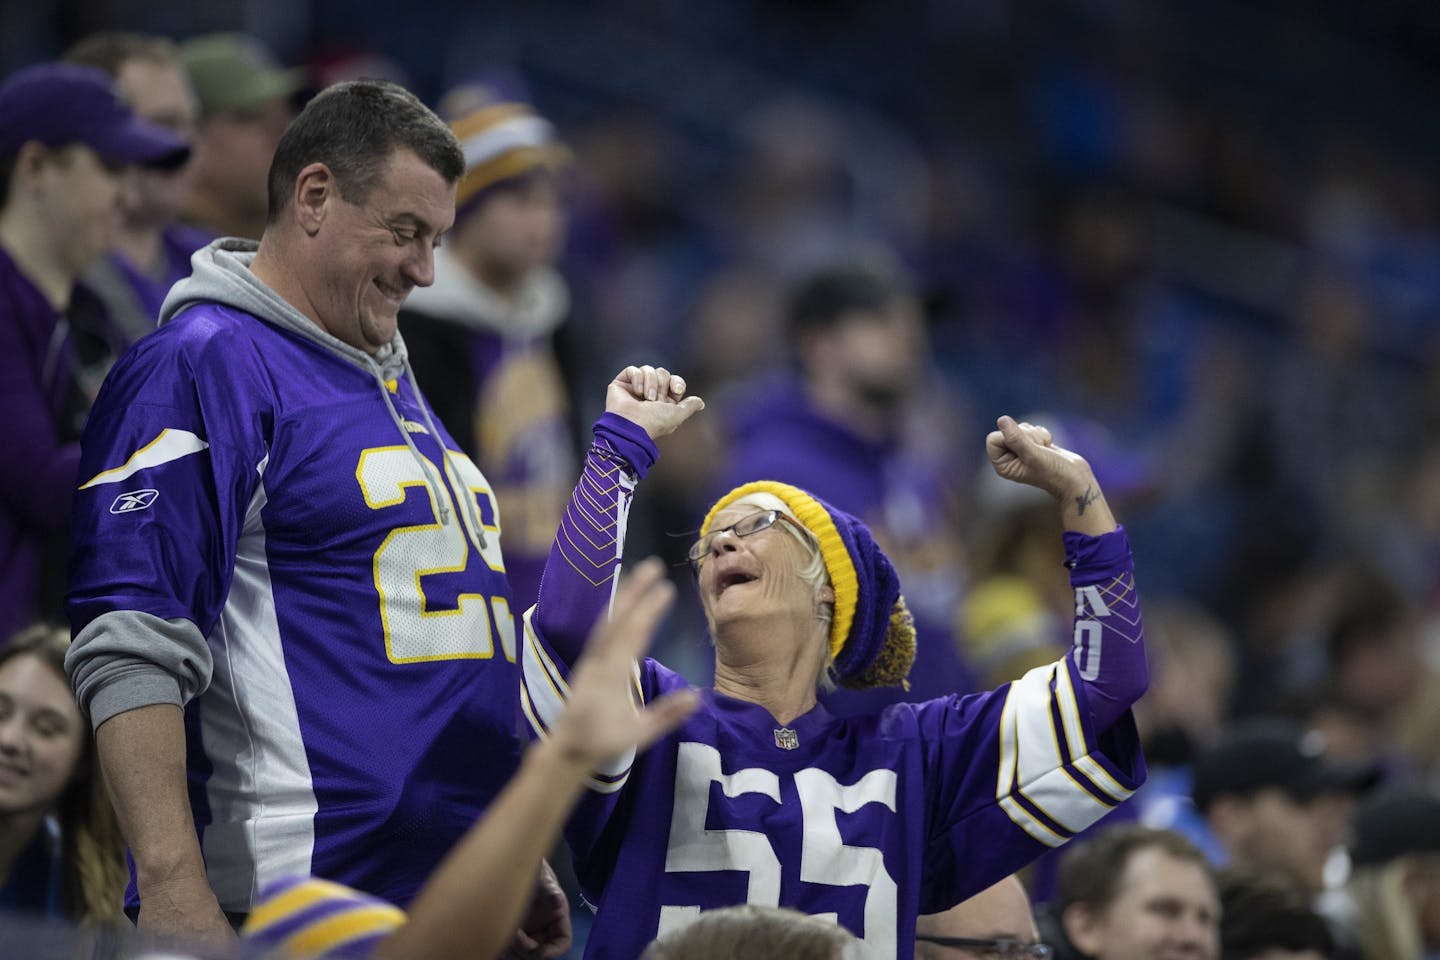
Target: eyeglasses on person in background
[{"x": 993, "y": 948}]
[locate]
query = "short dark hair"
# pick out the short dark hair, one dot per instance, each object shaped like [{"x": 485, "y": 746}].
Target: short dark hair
[
  {"x": 824, "y": 298},
  {"x": 1090, "y": 870},
  {"x": 112, "y": 49},
  {"x": 353, "y": 128},
  {"x": 7, "y": 172},
  {"x": 1261, "y": 913}
]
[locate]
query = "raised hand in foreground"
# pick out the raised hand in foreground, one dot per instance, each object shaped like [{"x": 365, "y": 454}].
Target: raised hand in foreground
[{"x": 471, "y": 905}]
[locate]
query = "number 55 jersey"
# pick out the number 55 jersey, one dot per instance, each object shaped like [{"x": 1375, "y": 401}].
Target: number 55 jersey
[
  {"x": 867, "y": 820},
  {"x": 272, "y": 530}
]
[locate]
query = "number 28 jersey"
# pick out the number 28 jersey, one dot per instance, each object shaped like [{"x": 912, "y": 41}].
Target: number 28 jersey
[{"x": 254, "y": 487}]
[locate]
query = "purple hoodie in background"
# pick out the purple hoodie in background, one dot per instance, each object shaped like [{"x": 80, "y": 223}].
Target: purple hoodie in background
[
  {"x": 37, "y": 474},
  {"x": 900, "y": 496}
]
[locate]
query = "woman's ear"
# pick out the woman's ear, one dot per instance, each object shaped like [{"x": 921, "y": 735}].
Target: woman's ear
[{"x": 826, "y": 594}]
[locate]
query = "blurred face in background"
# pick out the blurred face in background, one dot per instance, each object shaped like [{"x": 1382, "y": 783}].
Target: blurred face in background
[
  {"x": 1273, "y": 831},
  {"x": 161, "y": 93},
  {"x": 233, "y": 150},
  {"x": 518, "y": 228},
  {"x": 42, "y": 735},
  {"x": 999, "y": 913},
  {"x": 1165, "y": 908},
  {"x": 77, "y": 197},
  {"x": 876, "y": 355}
]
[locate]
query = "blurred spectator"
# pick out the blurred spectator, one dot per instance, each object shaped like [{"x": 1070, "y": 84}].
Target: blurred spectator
[
  {"x": 152, "y": 250},
  {"x": 1132, "y": 893},
  {"x": 1192, "y": 679},
  {"x": 1393, "y": 910},
  {"x": 482, "y": 334},
  {"x": 60, "y": 848},
  {"x": 63, "y": 136},
  {"x": 1274, "y": 803},
  {"x": 244, "y": 108},
  {"x": 839, "y": 427},
  {"x": 1265, "y": 918},
  {"x": 756, "y": 933},
  {"x": 996, "y": 922},
  {"x": 1375, "y": 670}
]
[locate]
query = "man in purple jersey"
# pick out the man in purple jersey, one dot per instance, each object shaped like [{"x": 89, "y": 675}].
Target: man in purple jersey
[
  {"x": 64, "y": 137},
  {"x": 762, "y": 796},
  {"x": 292, "y": 626}
]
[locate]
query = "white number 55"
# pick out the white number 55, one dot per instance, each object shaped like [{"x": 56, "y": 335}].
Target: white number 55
[{"x": 824, "y": 857}]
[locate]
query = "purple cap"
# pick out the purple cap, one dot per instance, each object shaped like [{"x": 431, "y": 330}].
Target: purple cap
[{"x": 62, "y": 103}]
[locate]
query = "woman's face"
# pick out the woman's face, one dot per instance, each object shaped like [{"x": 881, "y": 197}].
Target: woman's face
[
  {"x": 755, "y": 577},
  {"x": 42, "y": 735}
]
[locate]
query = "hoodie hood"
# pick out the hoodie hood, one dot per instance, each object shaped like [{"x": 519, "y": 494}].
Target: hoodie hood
[
  {"x": 460, "y": 297},
  {"x": 220, "y": 273}
]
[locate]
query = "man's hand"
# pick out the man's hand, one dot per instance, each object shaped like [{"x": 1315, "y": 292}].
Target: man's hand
[
  {"x": 652, "y": 397},
  {"x": 545, "y": 929},
  {"x": 183, "y": 909},
  {"x": 1025, "y": 453}
]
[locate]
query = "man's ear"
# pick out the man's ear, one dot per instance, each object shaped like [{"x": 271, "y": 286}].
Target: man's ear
[
  {"x": 1083, "y": 928},
  {"x": 28, "y": 160},
  {"x": 315, "y": 192},
  {"x": 826, "y": 594}
]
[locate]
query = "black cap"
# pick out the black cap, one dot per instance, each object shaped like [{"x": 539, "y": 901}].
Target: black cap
[
  {"x": 1270, "y": 752},
  {"x": 1394, "y": 823}
]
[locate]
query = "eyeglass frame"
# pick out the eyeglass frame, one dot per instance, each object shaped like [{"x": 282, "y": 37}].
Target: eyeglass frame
[
  {"x": 1003, "y": 946},
  {"x": 701, "y": 548}
]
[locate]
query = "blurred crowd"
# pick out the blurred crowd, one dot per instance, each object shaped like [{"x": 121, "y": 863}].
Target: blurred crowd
[{"x": 1201, "y": 243}]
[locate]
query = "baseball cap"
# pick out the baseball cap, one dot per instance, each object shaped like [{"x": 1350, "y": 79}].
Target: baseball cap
[
  {"x": 1394, "y": 823},
  {"x": 234, "y": 71},
  {"x": 1270, "y": 752},
  {"x": 61, "y": 103}
]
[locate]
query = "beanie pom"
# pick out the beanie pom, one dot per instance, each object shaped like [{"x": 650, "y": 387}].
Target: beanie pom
[{"x": 892, "y": 664}]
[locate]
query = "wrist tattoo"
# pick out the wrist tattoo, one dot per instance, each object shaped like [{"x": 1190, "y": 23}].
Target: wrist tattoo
[{"x": 1085, "y": 499}]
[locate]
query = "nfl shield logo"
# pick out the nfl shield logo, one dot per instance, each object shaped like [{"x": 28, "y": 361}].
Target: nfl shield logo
[{"x": 786, "y": 739}]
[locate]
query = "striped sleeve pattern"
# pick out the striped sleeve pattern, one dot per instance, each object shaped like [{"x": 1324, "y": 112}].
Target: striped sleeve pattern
[
  {"x": 1051, "y": 784},
  {"x": 577, "y": 587},
  {"x": 306, "y": 916}
]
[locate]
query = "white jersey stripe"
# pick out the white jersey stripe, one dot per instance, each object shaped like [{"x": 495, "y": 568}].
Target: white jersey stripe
[
  {"x": 1034, "y": 760},
  {"x": 261, "y": 794},
  {"x": 170, "y": 445}
]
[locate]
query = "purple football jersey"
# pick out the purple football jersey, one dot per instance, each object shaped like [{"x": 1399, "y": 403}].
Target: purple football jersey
[{"x": 361, "y": 708}]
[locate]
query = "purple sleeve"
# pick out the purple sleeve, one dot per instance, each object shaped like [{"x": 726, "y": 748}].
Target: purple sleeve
[
  {"x": 580, "y": 572},
  {"x": 1109, "y": 650},
  {"x": 37, "y": 481}
]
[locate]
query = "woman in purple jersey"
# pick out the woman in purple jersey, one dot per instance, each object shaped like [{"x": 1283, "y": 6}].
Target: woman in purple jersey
[{"x": 764, "y": 797}]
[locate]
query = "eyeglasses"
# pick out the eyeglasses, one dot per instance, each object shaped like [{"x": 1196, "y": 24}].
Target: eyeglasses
[
  {"x": 754, "y": 523},
  {"x": 998, "y": 948}
]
